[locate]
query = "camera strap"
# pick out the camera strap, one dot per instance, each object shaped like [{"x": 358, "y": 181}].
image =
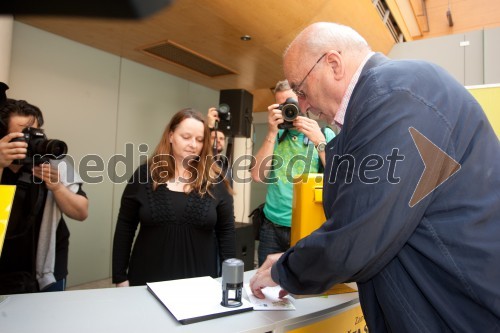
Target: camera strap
[{"x": 283, "y": 136}]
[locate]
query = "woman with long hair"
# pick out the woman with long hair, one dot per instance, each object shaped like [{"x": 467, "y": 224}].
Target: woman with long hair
[{"x": 184, "y": 207}]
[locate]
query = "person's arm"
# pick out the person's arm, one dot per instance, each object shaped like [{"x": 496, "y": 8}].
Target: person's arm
[
  {"x": 224, "y": 227},
  {"x": 260, "y": 170},
  {"x": 126, "y": 226},
  {"x": 71, "y": 204}
]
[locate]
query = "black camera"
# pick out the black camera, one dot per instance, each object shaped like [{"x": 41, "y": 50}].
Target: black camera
[
  {"x": 290, "y": 111},
  {"x": 223, "y": 111},
  {"x": 40, "y": 149}
]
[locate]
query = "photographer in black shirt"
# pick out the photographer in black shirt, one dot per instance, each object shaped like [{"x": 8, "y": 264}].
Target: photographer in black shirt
[{"x": 35, "y": 251}]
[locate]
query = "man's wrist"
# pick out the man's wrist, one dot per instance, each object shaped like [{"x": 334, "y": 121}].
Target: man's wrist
[
  {"x": 320, "y": 147},
  {"x": 270, "y": 139}
]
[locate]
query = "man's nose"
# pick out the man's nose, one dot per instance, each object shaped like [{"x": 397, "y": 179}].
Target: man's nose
[{"x": 303, "y": 105}]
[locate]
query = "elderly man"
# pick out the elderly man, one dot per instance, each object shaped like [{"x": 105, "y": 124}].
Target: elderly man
[{"x": 423, "y": 247}]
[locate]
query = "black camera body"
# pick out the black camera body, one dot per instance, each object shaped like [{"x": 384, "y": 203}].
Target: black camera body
[
  {"x": 290, "y": 111},
  {"x": 223, "y": 111},
  {"x": 40, "y": 149}
]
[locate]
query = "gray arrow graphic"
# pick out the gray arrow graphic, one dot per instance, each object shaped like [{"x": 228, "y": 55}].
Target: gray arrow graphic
[{"x": 439, "y": 166}]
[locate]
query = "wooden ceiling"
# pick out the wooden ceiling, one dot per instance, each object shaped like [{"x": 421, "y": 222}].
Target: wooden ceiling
[{"x": 212, "y": 30}]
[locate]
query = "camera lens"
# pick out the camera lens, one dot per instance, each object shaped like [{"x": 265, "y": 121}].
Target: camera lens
[
  {"x": 52, "y": 148},
  {"x": 223, "y": 109},
  {"x": 56, "y": 148},
  {"x": 290, "y": 112}
]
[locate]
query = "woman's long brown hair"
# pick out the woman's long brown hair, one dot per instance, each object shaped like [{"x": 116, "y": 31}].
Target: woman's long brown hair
[{"x": 204, "y": 171}]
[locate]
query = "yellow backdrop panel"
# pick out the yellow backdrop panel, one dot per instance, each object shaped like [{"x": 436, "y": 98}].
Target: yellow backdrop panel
[
  {"x": 6, "y": 199},
  {"x": 489, "y": 98}
]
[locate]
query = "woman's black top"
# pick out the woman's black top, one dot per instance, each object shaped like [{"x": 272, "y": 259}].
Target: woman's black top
[{"x": 180, "y": 235}]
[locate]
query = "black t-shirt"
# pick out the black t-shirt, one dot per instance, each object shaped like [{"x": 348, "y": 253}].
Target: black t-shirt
[{"x": 19, "y": 250}]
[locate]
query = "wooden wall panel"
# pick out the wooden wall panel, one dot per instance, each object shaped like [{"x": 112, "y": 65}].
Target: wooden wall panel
[
  {"x": 213, "y": 28},
  {"x": 468, "y": 15}
]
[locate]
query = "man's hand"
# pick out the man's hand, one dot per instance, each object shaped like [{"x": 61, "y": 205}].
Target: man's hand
[
  {"x": 212, "y": 117},
  {"x": 49, "y": 174},
  {"x": 10, "y": 151},
  {"x": 274, "y": 118},
  {"x": 310, "y": 128},
  {"x": 263, "y": 279},
  {"x": 73, "y": 205}
]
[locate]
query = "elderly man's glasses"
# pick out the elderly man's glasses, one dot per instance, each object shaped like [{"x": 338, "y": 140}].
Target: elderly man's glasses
[{"x": 296, "y": 90}]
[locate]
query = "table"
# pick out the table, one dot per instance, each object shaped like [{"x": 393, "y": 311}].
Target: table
[{"x": 135, "y": 309}]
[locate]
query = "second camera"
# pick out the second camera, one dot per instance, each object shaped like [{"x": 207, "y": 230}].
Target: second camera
[
  {"x": 290, "y": 111},
  {"x": 40, "y": 149}
]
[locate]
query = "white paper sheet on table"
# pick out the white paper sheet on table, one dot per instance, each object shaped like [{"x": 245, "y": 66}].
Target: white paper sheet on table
[
  {"x": 272, "y": 302},
  {"x": 195, "y": 299}
]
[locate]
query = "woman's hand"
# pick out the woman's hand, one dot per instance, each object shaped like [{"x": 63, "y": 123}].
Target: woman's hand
[{"x": 123, "y": 284}]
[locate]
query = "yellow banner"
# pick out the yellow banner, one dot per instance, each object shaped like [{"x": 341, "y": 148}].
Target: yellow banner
[{"x": 6, "y": 198}]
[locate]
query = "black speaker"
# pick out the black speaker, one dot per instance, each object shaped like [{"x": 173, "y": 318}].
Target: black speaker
[
  {"x": 239, "y": 120},
  {"x": 88, "y": 8},
  {"x": 245, "y": 244}
]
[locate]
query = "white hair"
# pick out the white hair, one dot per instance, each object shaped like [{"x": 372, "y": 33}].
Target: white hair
[{"x": 322, "y": 36}]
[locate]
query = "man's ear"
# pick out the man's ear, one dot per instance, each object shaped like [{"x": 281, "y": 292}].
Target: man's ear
[{"x": 336, "y": 63}]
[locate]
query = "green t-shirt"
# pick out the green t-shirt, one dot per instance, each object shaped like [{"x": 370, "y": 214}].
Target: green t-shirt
[{"x": 293, "y": 157}]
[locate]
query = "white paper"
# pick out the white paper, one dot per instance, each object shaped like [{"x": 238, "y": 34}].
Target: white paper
[
  {"x": 193, "y": 298},
  {"x": 271, "y": 302}
]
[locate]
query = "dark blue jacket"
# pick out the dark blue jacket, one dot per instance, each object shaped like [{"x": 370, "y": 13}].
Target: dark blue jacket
[{"x": 433, "y": 267}]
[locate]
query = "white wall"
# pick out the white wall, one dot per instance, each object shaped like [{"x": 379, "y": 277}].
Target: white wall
[
  {"x": 6, "y": 27},
  {"x": 471, "y": 57},
  {"x": 97, "y": 102}
]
